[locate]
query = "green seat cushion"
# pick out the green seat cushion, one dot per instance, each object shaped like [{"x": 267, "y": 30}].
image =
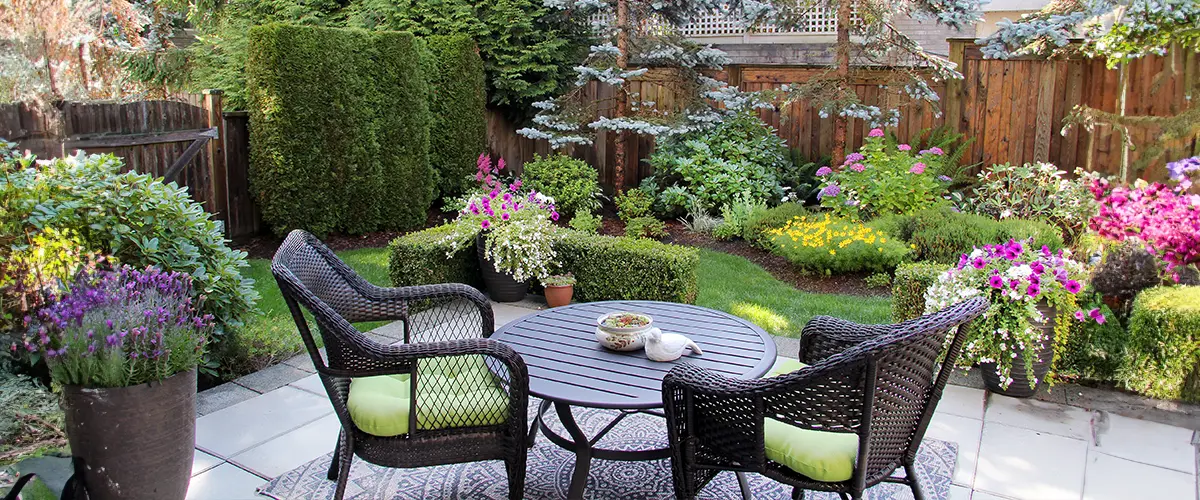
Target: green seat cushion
[
  {"x": 454, "y": 392},
  {"x": 819, "y": 455}
]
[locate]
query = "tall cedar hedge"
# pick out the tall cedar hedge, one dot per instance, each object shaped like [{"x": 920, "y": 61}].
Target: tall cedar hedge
[
  {"x": 339, "y": 129},
  {"x": 458, "y": 104}
]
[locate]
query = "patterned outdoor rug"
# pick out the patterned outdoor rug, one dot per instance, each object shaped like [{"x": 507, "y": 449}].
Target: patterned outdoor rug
[{"x": 549, "y": 473}]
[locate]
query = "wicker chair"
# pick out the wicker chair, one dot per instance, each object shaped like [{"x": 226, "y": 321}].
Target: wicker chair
[
  {"x": 878, "y": 383},
  {"x": 446, "y": 361}
]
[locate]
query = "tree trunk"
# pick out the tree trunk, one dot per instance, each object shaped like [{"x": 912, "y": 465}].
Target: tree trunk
[
  {"x": 1124, "y": 93},
  {"x": 622, "y": 98},
  {"x": 843, "y": 78}
]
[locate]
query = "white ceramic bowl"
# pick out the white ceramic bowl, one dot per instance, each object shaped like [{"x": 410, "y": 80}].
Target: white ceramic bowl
[{"x": 622, "y": 339}]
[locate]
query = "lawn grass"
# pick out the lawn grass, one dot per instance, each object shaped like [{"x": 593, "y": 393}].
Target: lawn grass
[
  {"x": 727, "y": 283},
  {"x": 735, "y": 285}
]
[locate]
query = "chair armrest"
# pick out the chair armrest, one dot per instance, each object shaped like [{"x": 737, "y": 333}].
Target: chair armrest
[
  {"x": 824, "y": 336},
  {"x": 390, "y": 304},
  {"x": 721, "y": 418}
]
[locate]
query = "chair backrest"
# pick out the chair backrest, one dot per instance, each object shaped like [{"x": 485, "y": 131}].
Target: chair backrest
[{"x": 906, "y": 372}]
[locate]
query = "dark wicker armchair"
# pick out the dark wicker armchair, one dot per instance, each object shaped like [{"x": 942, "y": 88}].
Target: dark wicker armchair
[
  {"x": 447, "y": 395},
  {"x": 867, "y": 391}
]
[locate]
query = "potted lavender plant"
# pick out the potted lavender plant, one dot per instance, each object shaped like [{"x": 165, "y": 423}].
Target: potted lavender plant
[{"x": 124, "y": 345}]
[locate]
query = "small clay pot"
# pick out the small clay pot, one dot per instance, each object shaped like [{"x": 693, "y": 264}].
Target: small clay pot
[{"x": 559, "y": 295}]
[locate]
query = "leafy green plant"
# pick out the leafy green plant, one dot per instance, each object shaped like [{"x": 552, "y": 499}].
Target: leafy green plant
[
  {"x": 736, "y": 217},
  {"x": 954, "y": 144},
  {"x": 633, "y": 204},
  {"x": 799, "y": 179},
  {"x": 1163, "y": 350},
  {"x": 1045, "y": 194},
  {"x": 909, "y": 286},
  {"x": 942, "y": 235},
  {"x": 879, "y": 280},
  {"x": 821, "y": 243},
  {"x": 586, "y": 222},
  {"x": 427, "y": 258},
  {"x": 880, "y": 179},
  {"x": 457, "y": 108},
  {"x": 340, "y": 135},
  {"x": 559, "y": 280},
  {"x": 1094, "y": 351},
  {"x": 645, "y": 227},
  {"x": 571, "y": 182},
  {"x": 740, "y": 155},
  {"x": 129, "y": 217}
]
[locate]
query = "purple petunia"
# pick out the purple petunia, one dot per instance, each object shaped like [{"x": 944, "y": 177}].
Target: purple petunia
[
  {"x": 996, "y": 281},
  {"x": 1033, "y": 290},
  {"x": 485, "y": 224},
  {"x": 504, "y": 216},
  {"x": 979, "y": 263},
  {"x": 1097, "y": 315},
  {"x": 1037, "y": 267},
  {"x": 1079, "y": 315},
  {"x": 554, "y": 216},
  {"x": 1072, "y": 286},
  {"x": 1178, "y": 169}
]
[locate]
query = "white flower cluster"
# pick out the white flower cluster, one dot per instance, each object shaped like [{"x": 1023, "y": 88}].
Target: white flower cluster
[
  {"x": 523, "y": 249},
  {"x": 631, "y": 124}
]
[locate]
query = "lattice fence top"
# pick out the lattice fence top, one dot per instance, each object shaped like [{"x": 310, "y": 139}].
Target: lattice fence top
[{"x": 817, "y": 21}]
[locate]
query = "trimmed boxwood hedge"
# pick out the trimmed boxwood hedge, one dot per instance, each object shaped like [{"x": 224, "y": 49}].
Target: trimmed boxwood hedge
[
  {"x": 419, "y": 258},
  {"x": 457, "y": 102},
  {"x": 909, "y": 286},
  {"x": 1162, "y": 357},
  {"x": 605, "y": 267},
  {"x": 622, "y": 268},
  {"x": 339, "y": 134}
]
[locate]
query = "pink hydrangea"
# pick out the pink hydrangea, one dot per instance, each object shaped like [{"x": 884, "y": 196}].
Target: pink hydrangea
[
  {"x": 858, "y": 167},
  {"x": 875, "y": 132},
  {"x": 823, "y": 171},
  {"x": 904, "y": 147},
  {"x": 917, "y": 168}
]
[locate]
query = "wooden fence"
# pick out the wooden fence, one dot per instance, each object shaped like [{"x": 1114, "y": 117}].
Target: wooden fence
[
  {"x": 188, "y": 139},
  {"x": 1012, "y": 108}
]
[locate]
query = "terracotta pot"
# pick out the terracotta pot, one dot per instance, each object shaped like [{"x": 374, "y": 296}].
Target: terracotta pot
[
  {"x": 1020, "y": 388},
  {"x": 559, "y": 295},
  {"x": 501, "y": 286},
  {"x": 136, "y": 442}
]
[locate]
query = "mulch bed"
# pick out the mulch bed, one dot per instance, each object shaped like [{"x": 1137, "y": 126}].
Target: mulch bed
[{"x": 264, "y": 246}]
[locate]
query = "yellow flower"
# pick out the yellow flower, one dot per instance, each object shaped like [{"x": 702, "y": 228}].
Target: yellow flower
[
  {"x": 883, "y": 240},
  {"x": 833, "y": 252},
  {"x": 912, "y": 246}
]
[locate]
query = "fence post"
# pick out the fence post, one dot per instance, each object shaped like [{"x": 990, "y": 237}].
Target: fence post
[
  {"x": 217, "y": 175},
  {"x": 954, "y": 86}
]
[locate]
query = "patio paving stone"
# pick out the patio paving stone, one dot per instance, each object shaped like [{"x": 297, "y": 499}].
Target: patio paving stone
[
  {"x": 291, "y": 450},
  {"x": 1030, "y": 465},
  {"x": 1112, "y": 478},
  {"x": 1040, "y": 416},
  {"x": 225, "y": 482},
  {"x": 1146, "y": 442},
  {"x": 301, "y": 361},
  {"x": 230, "y": 431},
  {"x": 505, "y": 314},
  {"x": 962, "y": 401},
  {"x": 959, "y": 493},
  {"x": 967, "y": 432},
  {"x": 311, "y": 384},
  {"x": 222, "y": 396},
  {"x": 271, "y": 378},
  {"x": 202, "y": 462}
]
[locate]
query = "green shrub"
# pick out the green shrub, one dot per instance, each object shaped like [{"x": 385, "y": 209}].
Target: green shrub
[
  {"x": 881, "y": 179},
  {"x": 1163, "y": 357},
  {"x": 588, "y": 223},
  {"x": 736, "y": 217},
  {"x": 835, "y": 246},
  {"x": 419, "y": 258},
  {"x": 633, "y": 203},
  {"x": 645, "y": 227},
  {"x": 458, "y": 107},
  {"x": 771, "y": 218},
  {"x": 943, "y": 235},
  {"x": 1094, "y": 351},
  {"x": 608, "y": 268},
  {"x": 339, "y": 129},
  {"x": 879, "y": 280},
  {"x": 87, "y": 201},
  {"x": 909, "y": 285},
  {"x": 572, "y": 183},
  {"x": 740, "y": 155}
]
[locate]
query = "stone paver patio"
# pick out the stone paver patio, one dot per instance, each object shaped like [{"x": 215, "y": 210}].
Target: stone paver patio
[{"x": 262, "y": 425}]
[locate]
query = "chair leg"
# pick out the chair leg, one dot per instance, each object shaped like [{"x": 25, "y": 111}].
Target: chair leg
[
  {"x": 743, "y": 485},
  {"x": 335, "y": 460},
  {"x": 516, "y": 476},
  {"x": 347, "y": 455},
  {"x": 910, "y": 473},
  {"x": 797, "y": 494}
]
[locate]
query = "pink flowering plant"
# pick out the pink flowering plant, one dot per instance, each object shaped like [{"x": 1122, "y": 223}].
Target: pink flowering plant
[
  {"x": 1166, "y": 219},
  {"x": 880, "y": 179},
  {"x": 1021, "y": 283},
  {"x": 518, "y": 225},
  {"x": 120, "y": 328}
]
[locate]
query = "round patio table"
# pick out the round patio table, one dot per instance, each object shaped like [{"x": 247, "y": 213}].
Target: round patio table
[{"x": 568, "y": 368}]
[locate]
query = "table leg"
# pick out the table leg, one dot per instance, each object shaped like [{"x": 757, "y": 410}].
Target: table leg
[
  {"x": 537, "y": 422},
  {"x": 583, "y": 451}
]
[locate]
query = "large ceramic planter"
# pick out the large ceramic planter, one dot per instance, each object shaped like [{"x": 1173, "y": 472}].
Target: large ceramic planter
[
  {"x": 557, "y": 296},
  {"x": 501, "y": 286},
  {"x": 136, "y": 442},
  {"x": 1019, "y": 388}
]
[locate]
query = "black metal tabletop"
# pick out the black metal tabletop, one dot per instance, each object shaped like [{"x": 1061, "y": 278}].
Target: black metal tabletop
[{"x": 567, "y": 364}]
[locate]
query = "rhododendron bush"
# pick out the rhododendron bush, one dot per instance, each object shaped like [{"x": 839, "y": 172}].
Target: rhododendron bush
[
  {"x": 881, "y": 179},
  {"x": 1165, "y": 218}
]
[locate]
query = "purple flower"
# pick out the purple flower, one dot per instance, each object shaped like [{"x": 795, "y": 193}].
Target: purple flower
[
  {"x": 823, "y": 171},
  {"x": 1097, "y": 315},
  {"x": 1072, "y": 286},
  {"x": 944, "y": 178},
  {"x": 554, "y": 216},
  {"x": 936, "y": 150},
  {"x": 853, "y": 157},
  {"x": 1178, "y": 169},
  {"x": 979, "y": 263},
  {"x": 830, "y": 190},
  {"x": 875, "y": 132},
  {"x": 996, "y": 281},
  {"x": 917, "y": 168},
  {"x": 1033, "y": 290},
  {"x": 904, "y": 147},
  {"x": 1079, "y": 315},
  {"x": 504, "y": 215},
  {"x": 485, "y": 224},
  {"x": 1037, "y": 267},
  {"x": 858, "y": 167},
  {"x": 507, "y": 197},
  {"x": 515, "y": 185}
]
